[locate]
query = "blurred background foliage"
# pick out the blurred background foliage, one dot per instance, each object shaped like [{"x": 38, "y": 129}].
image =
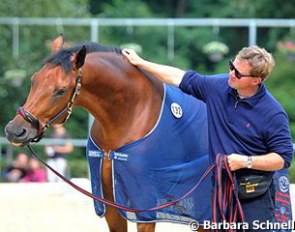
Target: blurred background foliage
[{"x": 189, "y": 42}]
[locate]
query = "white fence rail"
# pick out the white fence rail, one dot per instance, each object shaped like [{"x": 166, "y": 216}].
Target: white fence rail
[
  {"x": 95, "y": 23},
  {"x": 46, "y": 141}
]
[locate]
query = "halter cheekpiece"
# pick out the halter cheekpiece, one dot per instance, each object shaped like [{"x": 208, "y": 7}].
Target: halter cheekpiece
[{"x": 68, "y": 109}]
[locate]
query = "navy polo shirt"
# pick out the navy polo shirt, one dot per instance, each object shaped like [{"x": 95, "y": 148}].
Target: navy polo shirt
[{"x": 251, "y": 126}]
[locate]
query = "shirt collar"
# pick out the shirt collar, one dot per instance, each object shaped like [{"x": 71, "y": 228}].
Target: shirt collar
[{"x": 252, "y": 101}]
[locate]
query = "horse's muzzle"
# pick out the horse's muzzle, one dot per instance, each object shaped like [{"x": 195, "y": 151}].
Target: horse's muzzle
[{"x": 19, "y": 134}]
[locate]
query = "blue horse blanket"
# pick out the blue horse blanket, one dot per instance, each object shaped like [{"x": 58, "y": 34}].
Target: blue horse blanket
[{"x": 162, "y": 166}]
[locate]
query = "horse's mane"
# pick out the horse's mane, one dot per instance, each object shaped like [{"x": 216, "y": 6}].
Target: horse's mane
[{"x": 62, "y": 57}]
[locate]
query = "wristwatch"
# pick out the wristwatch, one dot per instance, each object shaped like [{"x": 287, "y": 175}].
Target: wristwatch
[{"x": 249, "y": 162}]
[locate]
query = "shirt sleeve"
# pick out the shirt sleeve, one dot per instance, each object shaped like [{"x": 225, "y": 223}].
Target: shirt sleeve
[
  {"x": 279, "y": 137},
  {"x": 194, "y": 84}
]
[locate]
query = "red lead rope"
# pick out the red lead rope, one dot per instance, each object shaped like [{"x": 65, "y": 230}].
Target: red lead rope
[
  {"x": 110, "y": 203},
  {"x": 225, "y": 199},
  {"x": 226, "y": 206}
]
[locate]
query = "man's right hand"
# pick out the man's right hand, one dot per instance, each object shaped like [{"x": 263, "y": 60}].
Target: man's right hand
[
  {"x": 132, "y": 56},
  {"x": 164, "y": 73}
]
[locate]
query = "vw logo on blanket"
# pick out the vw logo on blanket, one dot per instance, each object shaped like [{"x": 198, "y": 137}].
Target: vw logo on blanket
[{"x": 176, "y": 110}]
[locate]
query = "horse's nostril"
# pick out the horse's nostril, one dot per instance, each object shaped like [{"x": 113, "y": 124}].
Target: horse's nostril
[{"x": 21, "y": 132}]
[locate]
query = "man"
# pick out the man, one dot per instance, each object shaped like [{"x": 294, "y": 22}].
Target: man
[
  {"x": 57, "y": 154},
  {"x": 245, "y": 121}
]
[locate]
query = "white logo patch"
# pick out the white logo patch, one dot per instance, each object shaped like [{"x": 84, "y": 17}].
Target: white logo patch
[
  {"x": 284, "y": 184},
  {"x": 94, "y": 153},
  {"x": 176, "y": 110}
]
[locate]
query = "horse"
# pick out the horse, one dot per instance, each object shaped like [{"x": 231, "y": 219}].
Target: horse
[{"x": 127, "y": 105}]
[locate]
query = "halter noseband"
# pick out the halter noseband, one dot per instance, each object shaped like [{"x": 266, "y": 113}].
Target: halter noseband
[{"x": 68, "y": 109}]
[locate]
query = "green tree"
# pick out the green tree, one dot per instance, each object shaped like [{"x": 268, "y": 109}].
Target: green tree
[
  {"x": 188, "y": 41},
  {"x": 33, "y": 48}
]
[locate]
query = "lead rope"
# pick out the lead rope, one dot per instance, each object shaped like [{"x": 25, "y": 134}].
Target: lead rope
[
  {"x": 226, "y": 204},
  {"x": 110, "y": 203}
]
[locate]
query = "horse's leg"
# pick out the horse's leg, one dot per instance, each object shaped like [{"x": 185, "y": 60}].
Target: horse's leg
[
  {"x": 201, "y": 229},
  {"x": 146, "y": 227},
  {"x": 114, "y": 220}
]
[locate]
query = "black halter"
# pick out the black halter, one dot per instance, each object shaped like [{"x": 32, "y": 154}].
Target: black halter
[{"x": 68, "y": 109}]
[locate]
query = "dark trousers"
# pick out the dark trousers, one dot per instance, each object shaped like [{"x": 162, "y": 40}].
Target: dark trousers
[{"x": 260, "y": 209}]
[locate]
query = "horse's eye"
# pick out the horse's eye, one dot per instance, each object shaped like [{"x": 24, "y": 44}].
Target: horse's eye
[{"x": 59, "y": 92}]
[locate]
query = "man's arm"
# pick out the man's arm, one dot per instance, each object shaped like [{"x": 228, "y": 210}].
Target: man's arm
[
  {"x": 165, "y": 73},
  {"x": 269, "y": 162},
  {"x": 64, "y": 149}
]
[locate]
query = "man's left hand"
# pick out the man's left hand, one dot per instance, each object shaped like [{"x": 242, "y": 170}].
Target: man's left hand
[{"x": 236, "y": 161}]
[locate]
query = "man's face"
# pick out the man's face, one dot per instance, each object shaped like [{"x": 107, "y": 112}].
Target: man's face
[{"x": 239, "y": 75}]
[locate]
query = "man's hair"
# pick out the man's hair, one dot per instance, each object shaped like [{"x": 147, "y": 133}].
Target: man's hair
[{"x": 259, "y": 59}]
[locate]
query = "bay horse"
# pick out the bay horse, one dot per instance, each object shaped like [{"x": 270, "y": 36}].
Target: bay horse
[{"x": 127, "y": 105}]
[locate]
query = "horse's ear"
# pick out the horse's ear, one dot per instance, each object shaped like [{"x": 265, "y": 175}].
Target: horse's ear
[
  {"x": 80, "y": 57},
  {"x": 57, "y": 43}
]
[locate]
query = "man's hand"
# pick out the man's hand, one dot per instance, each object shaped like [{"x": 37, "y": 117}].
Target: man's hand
[
  {"x": 132, "y": 57},
  {"x": 167, "y": 74},
  {"x": 236, "y": 161}
]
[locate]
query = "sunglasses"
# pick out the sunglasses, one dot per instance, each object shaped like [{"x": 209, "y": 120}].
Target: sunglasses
[{"x": 237, "y": 73}]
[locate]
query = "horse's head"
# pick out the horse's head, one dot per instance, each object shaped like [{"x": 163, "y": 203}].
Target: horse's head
[{"x": 54, "y": 89}]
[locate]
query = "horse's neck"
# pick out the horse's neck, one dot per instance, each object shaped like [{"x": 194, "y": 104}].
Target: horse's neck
[{"x": 125, "y": 108}]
